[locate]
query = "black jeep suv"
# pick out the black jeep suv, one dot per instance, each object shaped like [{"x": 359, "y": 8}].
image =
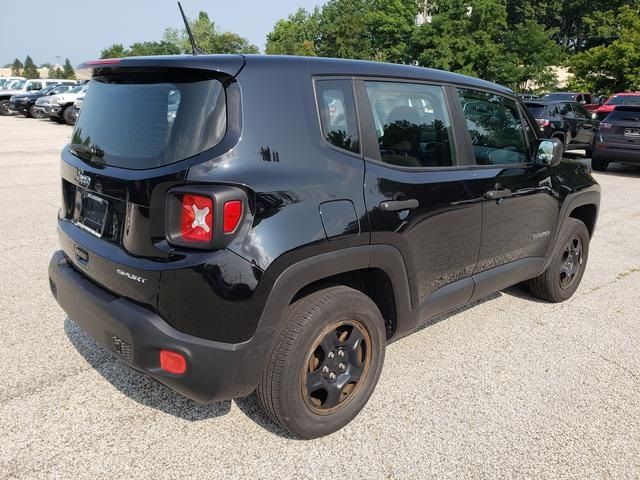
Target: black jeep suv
[{"x": 239, "y": 223}]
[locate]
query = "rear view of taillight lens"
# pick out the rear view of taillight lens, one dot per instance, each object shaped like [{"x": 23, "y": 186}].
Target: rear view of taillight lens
[
  {"x": 196, "y": 219},
  {"x": 204, "y": 217}
]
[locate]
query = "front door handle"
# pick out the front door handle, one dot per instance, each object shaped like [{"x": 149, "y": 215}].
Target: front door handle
[
  {"x": 498, "y": 194},
  {"x": 398, "y": 205}
]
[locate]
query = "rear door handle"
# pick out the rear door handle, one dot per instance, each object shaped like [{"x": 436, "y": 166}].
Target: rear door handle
[
  {"x": 498, "y": 194},
  {"x": 398, "y": 205}
]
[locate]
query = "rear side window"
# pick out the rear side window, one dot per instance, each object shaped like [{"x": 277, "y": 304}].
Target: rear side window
[
  {"x": 496, "y": 130},
  {"x": 338, "y": 114},
  {"x": 625, "y": 115},
  {"x": 147, "y": 121},
  {"x": 536, "y": 109},
  {"x": 412, "y": 124}
]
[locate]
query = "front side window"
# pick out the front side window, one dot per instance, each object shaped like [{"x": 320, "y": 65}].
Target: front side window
[
  {"x": 412, "y": 124},
  {"x": 496, "y": 130},
  {"x": 338, "y": 114}
]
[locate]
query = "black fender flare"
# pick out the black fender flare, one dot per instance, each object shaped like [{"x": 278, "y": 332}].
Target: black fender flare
[{"x": 385, "y": 257}]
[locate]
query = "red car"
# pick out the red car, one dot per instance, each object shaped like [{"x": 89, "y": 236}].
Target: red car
[{"x": 627, "y": 98}]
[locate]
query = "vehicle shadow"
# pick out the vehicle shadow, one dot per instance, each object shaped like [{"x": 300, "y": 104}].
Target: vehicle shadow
[
  {"x": 137, "y": 386},
  {"x": 620, "y": 170},
  {"x": 150, "y": 393}
]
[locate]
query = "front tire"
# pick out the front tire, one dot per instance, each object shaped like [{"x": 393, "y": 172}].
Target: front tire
[
  {"x": 67, "y": 116},
  {"x": 4, "y": 108},
  {"x": 33, "y": 113},
  {"x": 325, "y": 363},
  {"x": 563, "y": 275}
]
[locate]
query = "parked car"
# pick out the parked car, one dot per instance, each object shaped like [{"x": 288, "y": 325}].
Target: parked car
[
  {"x": 5, "y": 82},
  {"x": 588, "y": 101},
  {"x": 565, "y": 120},
  {"x": 627, "y": 98},
  {"x": 60, "y": 107},
  {"x": 77, "y": 105},
  {"x": 222, "y": 252},
  {"x": 19, "y": 87},
  {"x": 618, "y": 138},
  {"x": 25, "y": 104}
]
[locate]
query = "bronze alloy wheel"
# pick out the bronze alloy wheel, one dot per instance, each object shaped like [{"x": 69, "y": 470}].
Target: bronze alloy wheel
[{"x": 336, "y": 367}]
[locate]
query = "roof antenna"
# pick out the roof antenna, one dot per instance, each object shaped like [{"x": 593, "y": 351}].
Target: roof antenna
[{"x": 194, "y": 48}]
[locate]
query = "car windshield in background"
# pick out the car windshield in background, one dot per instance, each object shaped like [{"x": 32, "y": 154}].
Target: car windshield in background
[
  {"x": 16, "y": 84},
  {"x": 624, "y": 100},
  {"x": 145, "y": 125},
  {"x": 558, "y": 96},
  {"x": 536, "y": 109}
]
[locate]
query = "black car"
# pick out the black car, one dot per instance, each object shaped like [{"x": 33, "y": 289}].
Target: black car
[
  {"x": 235, "y": 223},
  {"x": 26, "y": 104},
  {"x": 618, "y": 138},
  {"x": 567, "y": 121}
]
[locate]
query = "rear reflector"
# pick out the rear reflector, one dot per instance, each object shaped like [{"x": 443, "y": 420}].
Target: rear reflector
[
  {"x": 231, "y": 215},
  {"x": 196, "y": 220},
  {"x": 172, "y": 362}
]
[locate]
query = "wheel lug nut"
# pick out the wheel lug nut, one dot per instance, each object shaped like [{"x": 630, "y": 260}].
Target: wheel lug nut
[
  {"x": 325, "y": 369},
  {"x": 342, "y": 366},
  {"x": 331, "y": 355},
  {"x": 341, "y": 353},
  {"x": 332, "y": 376}
]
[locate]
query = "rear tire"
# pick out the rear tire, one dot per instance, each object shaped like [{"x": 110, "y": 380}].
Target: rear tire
[
  {"x": 325, "y": 363},
  {"x": 599, "y": 165},
  {"x": 563, "y": 275}
]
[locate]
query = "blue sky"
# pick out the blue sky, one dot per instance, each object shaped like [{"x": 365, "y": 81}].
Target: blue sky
[{"x": 79, "y": 29}]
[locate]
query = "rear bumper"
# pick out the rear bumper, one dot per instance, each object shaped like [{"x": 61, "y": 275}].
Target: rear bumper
[
  {"x": 615, "y": 154},
  {"x": 215, "y": 370}
]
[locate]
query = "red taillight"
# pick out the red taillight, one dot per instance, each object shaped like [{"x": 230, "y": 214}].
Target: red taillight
[
  {"x": 172, "y": 362},
  {"x": 542, "y": 123},
  {"x": 196, "y": 219},
  {"x": 605, "y": 126},
  {"x": 232, "y": 213}
]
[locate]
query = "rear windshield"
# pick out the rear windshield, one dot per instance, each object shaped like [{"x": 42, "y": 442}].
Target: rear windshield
[
  {"x": 142, "y": 122},
  {"x": 536, "y": 109},
  {"x": 625, "y": 115},
  {"x": 624, "y": 100}
]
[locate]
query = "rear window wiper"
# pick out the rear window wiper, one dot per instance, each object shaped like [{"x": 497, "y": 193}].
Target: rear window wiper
[{"x": 86, "y": 152}]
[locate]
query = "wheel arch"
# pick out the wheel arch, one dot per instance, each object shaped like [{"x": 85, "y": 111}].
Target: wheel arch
[{"x": 587, "y": 214}]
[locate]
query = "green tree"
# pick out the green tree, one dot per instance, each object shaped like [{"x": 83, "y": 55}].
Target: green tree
[
  {"x": 298, "y": 34},
  {"x": 30, "y": 69},
  {"x": 55, "y": 72},
  {"x": 152, "y": 48},
  {"x": 343, "y": 30},
  {"x": 16, "y": 67},
  {"x": 114, "y": 51},
  {"x": 536, "y": 52},
  {"x": 613, "y": 66},
  {"x": 67, "y": 70},
  {"x": 391, "y": 24},
  {"x": 208, "y": 39}
]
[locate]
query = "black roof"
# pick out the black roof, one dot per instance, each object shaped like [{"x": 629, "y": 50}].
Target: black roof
[{"x": 232, "y": 64}]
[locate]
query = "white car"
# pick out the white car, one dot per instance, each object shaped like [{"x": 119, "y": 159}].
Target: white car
[
  {"x": 5, "y": 82},
  {"x": 60, "y": 107},
  {"x": 18, "y": 87}
]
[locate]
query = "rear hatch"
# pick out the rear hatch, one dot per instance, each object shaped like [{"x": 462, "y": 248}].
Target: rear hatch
[
  {"x": 621, "y": 129},
  {"x": 143, "y": 123}
]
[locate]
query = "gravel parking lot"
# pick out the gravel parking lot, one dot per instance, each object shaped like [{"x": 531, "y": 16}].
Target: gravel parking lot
[{"x": 510, "y": 388}]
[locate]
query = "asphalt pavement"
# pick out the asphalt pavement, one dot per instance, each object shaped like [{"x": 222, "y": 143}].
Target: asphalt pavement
[{"x": 510, "y": 388}]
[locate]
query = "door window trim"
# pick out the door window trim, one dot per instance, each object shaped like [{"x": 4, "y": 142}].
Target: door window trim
[
  {"x": 370, "y": 147},
  {"x": 467, "y": 135}
]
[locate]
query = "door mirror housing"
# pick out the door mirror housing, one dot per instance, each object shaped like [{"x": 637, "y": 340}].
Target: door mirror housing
[{"x": 550, "y": 151}]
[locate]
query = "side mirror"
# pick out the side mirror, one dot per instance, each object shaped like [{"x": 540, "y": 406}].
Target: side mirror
[{"x": 549, "y": 152}]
